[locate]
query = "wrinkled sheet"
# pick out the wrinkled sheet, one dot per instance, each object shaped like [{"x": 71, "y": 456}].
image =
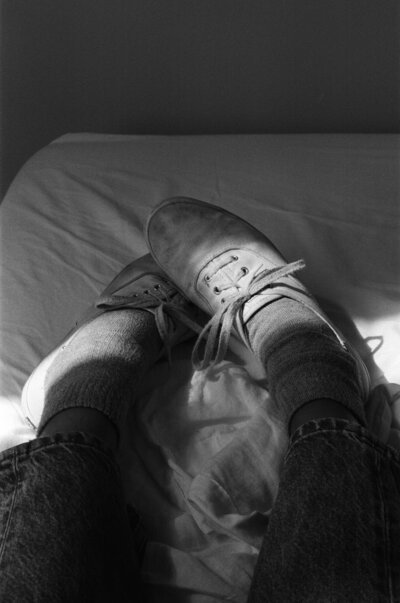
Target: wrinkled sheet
[{"x": 201, "y": 455}]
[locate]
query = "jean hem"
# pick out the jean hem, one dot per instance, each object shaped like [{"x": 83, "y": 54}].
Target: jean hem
[
  {"x": 349, "y": 429},
  {"x": 75, "y": 438}
]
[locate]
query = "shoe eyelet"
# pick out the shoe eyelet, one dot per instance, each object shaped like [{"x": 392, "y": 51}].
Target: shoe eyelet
[
  {"x": 235, "y": 258},
  {"x": 146, "y": 292},
  {"x": 216, "y": 291},
  {"x": 157, "y": 287},
  {"x": 207, "y": 278},
  {"x": 222, "y": 301},
  {"x": 244, "y": 270}
]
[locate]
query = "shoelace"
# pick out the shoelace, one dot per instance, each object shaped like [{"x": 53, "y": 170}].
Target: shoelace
[
  {"x": 217, "y": 331},
  {"x": 167, "y": 313}
]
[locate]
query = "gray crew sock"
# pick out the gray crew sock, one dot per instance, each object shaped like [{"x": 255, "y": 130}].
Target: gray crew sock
[
  {"x": 102, "y": 365},
  {"x": 303, "y": 359}
]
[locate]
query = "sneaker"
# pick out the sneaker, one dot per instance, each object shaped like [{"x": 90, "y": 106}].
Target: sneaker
[
  {"x": 140, "y": 285},
  {"x": 227, "y": 268}
]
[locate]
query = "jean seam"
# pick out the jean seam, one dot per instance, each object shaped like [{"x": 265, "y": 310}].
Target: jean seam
[
  {"x": 12, "y": 506},
  {"x": 387, "y": 532}
]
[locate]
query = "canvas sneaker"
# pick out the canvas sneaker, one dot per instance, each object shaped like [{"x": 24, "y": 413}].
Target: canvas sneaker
[
  {"x": 141, "y": 285},
  {"x": 230, "y": 270}
]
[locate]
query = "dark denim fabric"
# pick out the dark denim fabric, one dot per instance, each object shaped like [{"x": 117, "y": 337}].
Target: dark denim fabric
[
  {"x": 65, "y": 533},
  {"x": 334, "y": 531}
]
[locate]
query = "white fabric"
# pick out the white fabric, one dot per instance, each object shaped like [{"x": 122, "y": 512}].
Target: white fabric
[{"x": 201, "y": 455}]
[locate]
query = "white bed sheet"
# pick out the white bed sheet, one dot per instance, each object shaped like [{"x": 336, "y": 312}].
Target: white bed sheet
[{"x": 201, "y": 456}]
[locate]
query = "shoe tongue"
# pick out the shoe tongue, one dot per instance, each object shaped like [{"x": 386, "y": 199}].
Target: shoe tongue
[
  {"x": 230, "y": 272},
  {"x": 255, "y": 303},
  {"x": 233, "y": 271},
  {"x": 287, "y": 286}
]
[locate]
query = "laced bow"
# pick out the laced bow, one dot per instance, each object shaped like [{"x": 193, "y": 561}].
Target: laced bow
[
  {"x": 217, "y": 331},
  {"x": 166, "y": 311}
]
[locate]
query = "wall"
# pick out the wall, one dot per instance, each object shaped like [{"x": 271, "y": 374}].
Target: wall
[{"x": 195, "y": 66}]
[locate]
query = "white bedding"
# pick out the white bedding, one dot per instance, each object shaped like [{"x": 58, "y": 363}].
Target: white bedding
[{"x": 200, "y": 455}]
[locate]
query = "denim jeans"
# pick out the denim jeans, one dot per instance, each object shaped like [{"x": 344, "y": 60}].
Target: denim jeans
[
  {"x": 333, "y": 535},
  {"x": 334, "y": 531},
  {"x": 65, "y": 533}
]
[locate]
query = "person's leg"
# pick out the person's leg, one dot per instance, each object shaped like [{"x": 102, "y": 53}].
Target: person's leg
[
  {"x": 65, "y": 533},
  {"x": 65, "y": 527},
  {"x": 64, "y": 530},
  {"x": 334, "y": 531}
]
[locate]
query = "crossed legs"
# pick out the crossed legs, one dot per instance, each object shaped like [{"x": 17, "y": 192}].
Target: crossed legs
[{"x": 334, "y": 531}]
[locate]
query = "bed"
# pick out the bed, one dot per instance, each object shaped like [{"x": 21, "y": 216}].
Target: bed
[{"x": 201, "y": 455}]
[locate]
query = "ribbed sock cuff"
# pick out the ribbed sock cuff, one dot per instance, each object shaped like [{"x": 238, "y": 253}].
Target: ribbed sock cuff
[
  {"x": 104, "y": 385},
  {"x": 313, "y": 376},
  {"x": 101, "y": 366},
  {"x": 304, "y": 360}
]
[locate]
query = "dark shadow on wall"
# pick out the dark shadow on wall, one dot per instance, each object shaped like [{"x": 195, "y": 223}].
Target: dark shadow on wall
[{"x": 184, "y": 67}]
